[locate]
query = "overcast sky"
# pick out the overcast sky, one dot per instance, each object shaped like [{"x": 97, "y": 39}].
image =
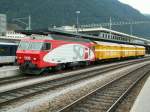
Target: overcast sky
[{"x": 142, "y": 5}]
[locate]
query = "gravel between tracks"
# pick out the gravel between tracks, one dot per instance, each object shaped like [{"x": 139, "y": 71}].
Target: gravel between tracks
[
  {"x": 54, "y": 100},
  {"x": 128, "y": 102}
]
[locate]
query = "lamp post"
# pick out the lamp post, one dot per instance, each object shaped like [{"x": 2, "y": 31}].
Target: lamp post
[
  {"x": 24, "y": 18},
  {"x": 131, "y": 29},
  {"x": 77, "y": 14},
  {"x": 110, "y": 26}
]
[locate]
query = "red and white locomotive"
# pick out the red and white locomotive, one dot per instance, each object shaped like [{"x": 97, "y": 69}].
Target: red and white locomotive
[
  {"x": 60, "y": 50},
  {"x": 35, "y": 55}
]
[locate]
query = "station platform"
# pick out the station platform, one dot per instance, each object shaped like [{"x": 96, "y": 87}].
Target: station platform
[
  {"x": 6, "y": 68},
  {"x": 142, "y": 103},
  {"x": 9, "y": 71}
]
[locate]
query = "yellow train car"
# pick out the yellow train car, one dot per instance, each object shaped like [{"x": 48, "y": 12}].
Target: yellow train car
[
  {"x": 106, "y": 50},
  {"x": 140, "y": 50},
  {"x": 128, "y": 51}
]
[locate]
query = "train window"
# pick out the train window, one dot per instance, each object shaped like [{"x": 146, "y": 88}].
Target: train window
[
  {"x": 36, "y": 45},
  {"x": 46, "y": 46},
  {"x": 13, "y": 50},
  {"x": 4, "y": 50},
  {"x": 24, "y": 45}
]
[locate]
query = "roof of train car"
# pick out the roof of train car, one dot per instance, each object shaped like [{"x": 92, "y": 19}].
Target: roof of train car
[
  {"x": 139, "y": 46},
  {"x": 7, "y": 43},
  {"x": 126, "y": 45},
  {"x": 115, "y": 44},
  {"x": 107, "y": 43}
]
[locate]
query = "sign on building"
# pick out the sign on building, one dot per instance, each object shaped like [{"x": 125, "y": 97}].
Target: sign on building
[{"x": 3, "y": 24}]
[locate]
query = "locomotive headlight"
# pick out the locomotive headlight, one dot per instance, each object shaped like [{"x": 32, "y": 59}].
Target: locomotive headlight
[
  {"x": 34, "y": 59},
  {"x": 19, "y": 57}
]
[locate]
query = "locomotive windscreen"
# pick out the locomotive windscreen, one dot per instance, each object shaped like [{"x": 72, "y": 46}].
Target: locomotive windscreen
[{"x": 26, "y": 45}]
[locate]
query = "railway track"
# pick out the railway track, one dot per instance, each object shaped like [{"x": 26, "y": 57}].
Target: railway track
[
  {"x": 108, "y": 97},
  {"x": 27, "y": 91}
]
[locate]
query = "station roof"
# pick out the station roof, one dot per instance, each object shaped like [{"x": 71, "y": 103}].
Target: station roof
[{"x": 79, "y": 35}]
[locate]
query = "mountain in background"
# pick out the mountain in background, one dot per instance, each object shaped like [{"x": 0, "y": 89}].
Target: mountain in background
[
  {"x": 147, "y": 15},
  {"x": 46, "y": 13}
]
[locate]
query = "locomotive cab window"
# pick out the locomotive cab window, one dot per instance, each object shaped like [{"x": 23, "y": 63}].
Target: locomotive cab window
[
  {"x": 46, "y": 46},
  {"x": 23, "y": 45}
]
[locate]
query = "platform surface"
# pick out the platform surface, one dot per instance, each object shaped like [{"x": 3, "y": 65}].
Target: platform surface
[
  {"x": 6, "y": 68},
  {"x": 142, "y": 103}
]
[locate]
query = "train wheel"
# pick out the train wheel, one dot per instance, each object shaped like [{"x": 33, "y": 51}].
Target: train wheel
[
  {"x": 87, "y": 63},
  {"x": 59, "y": 67},
  {"x": 73, "y": 67}
]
